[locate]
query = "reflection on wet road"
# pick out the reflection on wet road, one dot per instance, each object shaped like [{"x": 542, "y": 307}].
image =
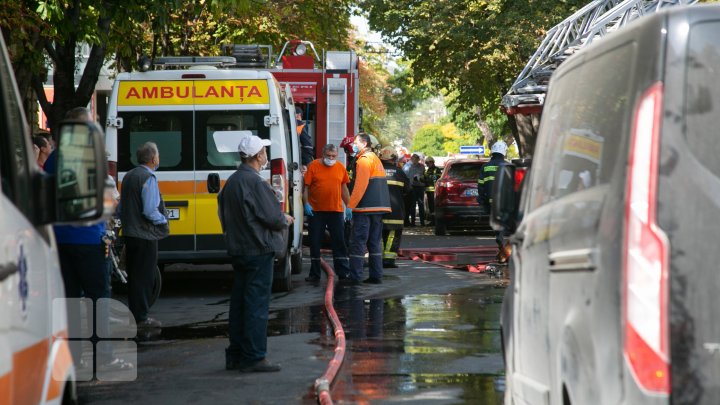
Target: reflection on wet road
[{"x": 418, "y": 348}]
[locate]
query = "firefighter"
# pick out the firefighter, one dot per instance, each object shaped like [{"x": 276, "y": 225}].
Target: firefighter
[
  {"x": 393, "y": 223},
  {"x": 432, "y": 174},
  {"x": 485, "y": 183},
  {"x": 307, "y": 152}
]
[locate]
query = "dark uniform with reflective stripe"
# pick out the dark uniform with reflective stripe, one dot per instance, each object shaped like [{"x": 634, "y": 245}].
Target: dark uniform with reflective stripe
[
  {"x": 432, "y": 174},
  {"x": 393, "y": 223},
  {"x": 485, "y": 184}
]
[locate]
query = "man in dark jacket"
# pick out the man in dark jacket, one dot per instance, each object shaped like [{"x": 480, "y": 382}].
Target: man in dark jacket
[
  {"x": 307, "y": 152},
  {"x": 486, "y": 180},
  {"x": 142, "y": 212},
  {"x": 432, "y": 174},
  {"x": 252, "y": 222},
  {"x": 393, "y": 223}
]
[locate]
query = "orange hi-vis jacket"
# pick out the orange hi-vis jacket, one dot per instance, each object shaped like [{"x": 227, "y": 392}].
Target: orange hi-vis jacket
[{"x": 370, "y": 194}]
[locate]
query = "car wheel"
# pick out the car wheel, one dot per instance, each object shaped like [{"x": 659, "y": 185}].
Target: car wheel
[
  {"x": 296, "y": 262},
  {"x": 440, "y": 229},
  {"x": 282, "y": 280}
]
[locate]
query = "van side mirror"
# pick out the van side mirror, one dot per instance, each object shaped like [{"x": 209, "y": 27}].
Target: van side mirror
[
  {"x": 81, "y": 174},
  {"x": 505, "y": 199}
]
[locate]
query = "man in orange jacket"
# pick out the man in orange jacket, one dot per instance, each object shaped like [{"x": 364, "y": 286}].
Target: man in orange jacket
[{"x": 370, "y": 199}]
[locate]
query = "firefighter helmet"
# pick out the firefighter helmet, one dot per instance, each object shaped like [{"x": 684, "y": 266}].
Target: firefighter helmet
[
  {"x": 388, "y": 153},
  {"x": 499, "y": 147},
  {"x": 429, "y": 159}
]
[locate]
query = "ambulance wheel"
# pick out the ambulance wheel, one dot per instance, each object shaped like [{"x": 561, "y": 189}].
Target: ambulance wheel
[
  {"x": 156, "y": 287},
  {"x": 296, "y": 263},
  {"x": 282, "y": 279}
]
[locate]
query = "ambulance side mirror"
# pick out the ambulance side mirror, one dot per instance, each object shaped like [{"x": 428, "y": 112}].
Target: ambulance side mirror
[{"x": 80, "y": 180}]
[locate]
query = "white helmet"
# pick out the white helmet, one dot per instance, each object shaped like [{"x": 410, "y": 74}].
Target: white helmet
[{"x": 499, "y": 147}]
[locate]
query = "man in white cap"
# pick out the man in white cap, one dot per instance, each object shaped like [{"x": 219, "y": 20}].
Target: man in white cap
[{"x": 252, "y": 222}]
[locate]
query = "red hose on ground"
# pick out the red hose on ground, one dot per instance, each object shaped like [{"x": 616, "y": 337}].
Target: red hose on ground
[{"x": 322, "y": 384}]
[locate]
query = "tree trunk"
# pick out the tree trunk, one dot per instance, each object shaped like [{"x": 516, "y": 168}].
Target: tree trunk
[{"x": 484, "y": 128}]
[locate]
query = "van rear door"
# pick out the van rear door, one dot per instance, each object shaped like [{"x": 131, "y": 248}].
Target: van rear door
[{"x": 688, "y": 208}]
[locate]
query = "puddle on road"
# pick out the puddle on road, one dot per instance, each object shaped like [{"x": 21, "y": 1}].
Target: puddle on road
[
  {"x": 438, "y": 348},
  {"x": 442, "y": 348}
]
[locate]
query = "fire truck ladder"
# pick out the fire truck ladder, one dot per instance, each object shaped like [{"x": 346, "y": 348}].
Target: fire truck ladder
[{"x": 592, "y": 22}]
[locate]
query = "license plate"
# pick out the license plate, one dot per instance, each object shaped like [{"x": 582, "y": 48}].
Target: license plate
[
  {"x": 471, "y": 192},
  {"x": 172, "y": 213}
]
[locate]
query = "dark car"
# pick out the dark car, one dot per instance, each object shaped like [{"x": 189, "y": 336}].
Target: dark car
[
  {"x": 456, "y": 205},
  {"x": 614, "y": 291}
]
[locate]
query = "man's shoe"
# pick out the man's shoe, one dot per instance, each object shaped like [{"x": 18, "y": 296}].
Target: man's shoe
[
  {"x": 149, "y": 323},
  {"x": 373, "y": 280},
  {"x": 349, "y": 281},
  {"x": 389, "y": 265},
  {"x": 312, "y": 279},
  {"x": 262, "y": 366}
]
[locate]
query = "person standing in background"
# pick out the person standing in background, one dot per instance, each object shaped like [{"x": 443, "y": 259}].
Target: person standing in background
[
  {"x": 307, "y": 152},
  {"x": 393, "y": 223},
  {"x": 253, "y": 223},
  {"x": 432, "y": 174},
  {"x": 142, "y": 213},
  {"x": 369, "y": 200}
]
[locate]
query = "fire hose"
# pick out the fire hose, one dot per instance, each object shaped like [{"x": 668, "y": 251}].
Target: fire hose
[{"x": 322, "y": 384}]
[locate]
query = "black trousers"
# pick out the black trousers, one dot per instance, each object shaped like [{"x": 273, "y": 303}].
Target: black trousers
[
  {"x": 431, "y": 204},
  {"x": 141, "y": 259}
]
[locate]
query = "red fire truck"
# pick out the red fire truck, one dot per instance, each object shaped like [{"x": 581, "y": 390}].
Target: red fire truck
[{"x": 326, "y": 86}]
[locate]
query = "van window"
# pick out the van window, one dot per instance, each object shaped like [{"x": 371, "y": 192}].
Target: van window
[
  {"x": 702, "y": 94},
  {"x": 170, "y": 130},
  {"x": 14, "y": 164},
  {"x": 207, "y": 122},
  {"x": 590, "y": 119}
]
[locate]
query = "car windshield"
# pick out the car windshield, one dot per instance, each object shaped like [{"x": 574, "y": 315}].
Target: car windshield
[{"x": 465, "y": 171}]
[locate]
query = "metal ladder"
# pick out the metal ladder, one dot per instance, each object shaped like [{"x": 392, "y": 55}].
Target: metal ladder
[{"x": 592, "y": 22}]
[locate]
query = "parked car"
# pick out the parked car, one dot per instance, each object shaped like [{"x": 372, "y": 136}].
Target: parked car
[
  {"x": 456, "y": 205},
  {"x": 614, "y": 290}
]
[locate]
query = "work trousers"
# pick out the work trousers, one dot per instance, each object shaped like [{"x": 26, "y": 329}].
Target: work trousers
[
  {"x": 249, "y": 306},
  {"x": 391, "y": 244},
  {"x": 419, "y": 194},
  {"x": 431, "y": 204},
  {"x": 334, "y": 223},
  {"x": 141, "y": 260},
  {"x": 85, "y": 276},
  {"x": 366, "y": 232}
]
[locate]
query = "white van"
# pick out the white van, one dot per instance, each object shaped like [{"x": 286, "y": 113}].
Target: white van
[
  {"x": 186, "y": 111},
  {"x": 35, "y": 362}
]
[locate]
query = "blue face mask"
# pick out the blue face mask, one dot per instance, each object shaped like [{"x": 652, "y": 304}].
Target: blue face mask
[{"x": 355, "y": 148}]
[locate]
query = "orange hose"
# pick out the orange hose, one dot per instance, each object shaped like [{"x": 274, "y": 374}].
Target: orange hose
[{"x": 322, "y": 384}]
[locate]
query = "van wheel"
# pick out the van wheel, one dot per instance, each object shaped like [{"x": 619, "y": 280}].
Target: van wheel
[
  {"x": 296, "y": 262},
  {"x": 156, "y": 287},
  {"x": 440, "y": 229},
  {"x": 282, "y": 279}
]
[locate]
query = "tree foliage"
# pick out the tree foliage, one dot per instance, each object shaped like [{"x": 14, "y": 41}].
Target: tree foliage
[
  {"x": 474, "y": 49},
  {"x": 429, "y": 140},
  {"x": 53, "y": 30}
]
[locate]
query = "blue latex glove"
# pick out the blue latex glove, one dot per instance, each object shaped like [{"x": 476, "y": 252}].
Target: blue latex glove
[
  {"x": 308, "y": 210},
  {"x": 348, "y": 214}
]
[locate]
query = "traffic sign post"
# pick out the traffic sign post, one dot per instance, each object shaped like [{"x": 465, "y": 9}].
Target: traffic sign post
[{"x": 472, "y": 150}]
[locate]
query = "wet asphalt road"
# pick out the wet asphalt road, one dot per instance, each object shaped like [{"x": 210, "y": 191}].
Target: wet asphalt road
[{"x": 428, "y": 334}]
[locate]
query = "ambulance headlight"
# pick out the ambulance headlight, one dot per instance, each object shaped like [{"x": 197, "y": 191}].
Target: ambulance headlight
[
  {"x": 144, "y": 63},
  {"x": 300, "y": 49}
]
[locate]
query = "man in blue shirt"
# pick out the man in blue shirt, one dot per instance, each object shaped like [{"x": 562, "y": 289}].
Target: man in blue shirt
[
  {"x": 85, "y": 274},
  {"x": 144, "y": 223}
]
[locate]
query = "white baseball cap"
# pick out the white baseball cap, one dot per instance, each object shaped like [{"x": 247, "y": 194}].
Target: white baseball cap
[{"x": 251, "y": 145}]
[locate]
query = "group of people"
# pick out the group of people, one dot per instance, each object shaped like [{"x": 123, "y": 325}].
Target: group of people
[{"x": 423, "y": 185}]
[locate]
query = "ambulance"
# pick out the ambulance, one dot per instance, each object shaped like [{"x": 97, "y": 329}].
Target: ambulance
[
  {"x": 35, "y": 362},
  {"x": 192, "y": 107}
]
